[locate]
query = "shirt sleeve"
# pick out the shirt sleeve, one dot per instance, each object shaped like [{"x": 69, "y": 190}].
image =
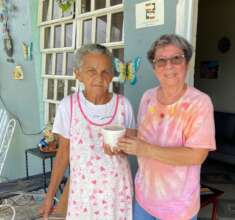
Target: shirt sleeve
[
  {"x": 199, "y": 131},
  {"x": 129, "y": 114},
  {"x": 61, "y": 124}
]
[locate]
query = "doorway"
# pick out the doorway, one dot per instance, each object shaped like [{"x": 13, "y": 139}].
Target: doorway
[{"x": 215, "y": 52}]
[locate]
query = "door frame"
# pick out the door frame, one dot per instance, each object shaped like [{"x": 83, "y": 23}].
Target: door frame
[{"x": 186, "y": 26}]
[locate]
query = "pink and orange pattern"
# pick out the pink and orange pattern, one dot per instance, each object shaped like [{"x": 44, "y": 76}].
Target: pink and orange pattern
[{"x": 166, "y": 191}]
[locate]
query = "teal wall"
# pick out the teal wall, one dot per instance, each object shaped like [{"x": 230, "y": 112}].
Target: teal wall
[
  {"x": 137, "y": 43},
  {"x": 22, "y": 97}
]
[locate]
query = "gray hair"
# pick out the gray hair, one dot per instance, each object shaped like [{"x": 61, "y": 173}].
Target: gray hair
[
  {"x": 171, "y": 39},
  {"x": 90, "y": 48}
]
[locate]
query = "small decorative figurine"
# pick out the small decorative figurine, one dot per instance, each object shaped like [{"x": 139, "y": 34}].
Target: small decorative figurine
[{"x": 48, "y": 143}]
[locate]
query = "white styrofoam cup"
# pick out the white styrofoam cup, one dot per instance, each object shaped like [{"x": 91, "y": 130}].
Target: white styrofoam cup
[{"x": 111, "y": 133}]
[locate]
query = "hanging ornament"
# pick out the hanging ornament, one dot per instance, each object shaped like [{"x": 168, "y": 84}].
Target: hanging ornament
[
  {"x": 27, "y": 50},
  {"x": 65, "y": 5},
  {"x": 6, "y": 7},
  {"x": 8, "y": 44},
  {"x": 30, "y": 51}
]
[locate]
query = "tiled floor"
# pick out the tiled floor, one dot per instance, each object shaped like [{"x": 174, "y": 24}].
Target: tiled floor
[
  {"x": 215, "y": 174},
  {"x": 221, "y": 176}
]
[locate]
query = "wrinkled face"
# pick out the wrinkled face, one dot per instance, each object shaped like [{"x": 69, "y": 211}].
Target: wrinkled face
[
  {"x": 170, "y": 66},
  {"x": 95, "y": 73}
]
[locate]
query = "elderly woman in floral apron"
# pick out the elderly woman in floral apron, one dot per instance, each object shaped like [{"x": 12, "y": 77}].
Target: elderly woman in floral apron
[{"x": 100, "y": 184}]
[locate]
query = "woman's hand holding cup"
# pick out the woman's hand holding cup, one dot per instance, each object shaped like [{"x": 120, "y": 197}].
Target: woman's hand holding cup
[{"x": 111, "y": 135}]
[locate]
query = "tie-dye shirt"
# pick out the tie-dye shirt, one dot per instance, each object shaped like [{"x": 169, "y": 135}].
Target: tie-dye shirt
[{"x": 166, "y": 191}]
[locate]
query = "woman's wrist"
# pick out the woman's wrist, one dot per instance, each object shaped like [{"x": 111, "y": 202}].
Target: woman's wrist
[{"x": 50, "y": 195}]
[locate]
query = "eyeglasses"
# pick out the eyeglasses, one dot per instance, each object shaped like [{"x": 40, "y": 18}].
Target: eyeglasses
[{"x": 174, "y": 60}]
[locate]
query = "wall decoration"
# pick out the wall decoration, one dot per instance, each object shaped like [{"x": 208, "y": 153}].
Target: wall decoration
[
  {"x": 224, "y": 44},
  {"x": 27, "y": 50},
  {"x": 127, "y": 71},
  {"x": 149, "y": 13},
  {"x": 6, "y": 8},
  {"x": 8, "y": 44},
  {"x": 18, "y": 73},
  {"x": 65, "y": 5},
  {"x": 209, "y": 69}
]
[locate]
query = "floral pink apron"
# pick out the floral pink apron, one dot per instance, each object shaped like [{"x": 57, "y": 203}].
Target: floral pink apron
[{"x": 101, "y": 185}]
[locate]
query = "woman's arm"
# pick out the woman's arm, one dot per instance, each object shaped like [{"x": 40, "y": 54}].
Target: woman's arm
[
  {"x": 178, "y": 156},
  {"x": 59, "y": 166}
]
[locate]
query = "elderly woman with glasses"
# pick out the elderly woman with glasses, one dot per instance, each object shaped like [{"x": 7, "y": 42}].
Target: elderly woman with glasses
[
  {"x": 100, "y": 184},
  {"x": 175, "y": 133}
]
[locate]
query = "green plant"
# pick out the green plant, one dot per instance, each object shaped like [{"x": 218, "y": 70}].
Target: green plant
[{"x": 65, "y": 5}]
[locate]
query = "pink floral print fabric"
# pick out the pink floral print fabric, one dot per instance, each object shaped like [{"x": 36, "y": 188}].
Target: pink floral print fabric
[{"x": 101, "y": 185}]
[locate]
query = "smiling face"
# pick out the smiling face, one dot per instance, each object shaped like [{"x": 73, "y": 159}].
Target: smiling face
[
  {"x": 95, "y": 73},
  {"x": 173, "y": 73}
]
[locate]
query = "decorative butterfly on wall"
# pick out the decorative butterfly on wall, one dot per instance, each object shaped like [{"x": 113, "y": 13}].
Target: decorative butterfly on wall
[
  {"x": 127, "y": 71},
  {"x": 27, "y": 50}
]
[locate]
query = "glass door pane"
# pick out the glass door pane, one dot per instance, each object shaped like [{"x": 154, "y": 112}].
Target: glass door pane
[
  {"x": 60, "y": 89},
  {"x": 69, "y": 12},
  {"x": 56, "y": 13},
  {"x": 100, "y": 4},
  {"x": 101, "y": 24},
  {"x": 45, "y": 10},
  {"x": 48, "y": 66},
  {"x": 116, "y": 27},
  {"x": 71, "y": 85},
  {"x": 47, "y": 37},
  {"x": 59, "y": 64},
  {"x": 52, "y": 109},
  {"x": 118, "y": 53},
  {"x": 69, "y": 64},
  {"x": 68, "y": 35},
  {"x": 50, "y": 89},
  {"x": 86, "y": 38},
  {"x": 115, "y": 2},
  {"x": 57, "y": 36},
  {"x": 86, "y": 6},
  {"x": 117, "y": 86}
]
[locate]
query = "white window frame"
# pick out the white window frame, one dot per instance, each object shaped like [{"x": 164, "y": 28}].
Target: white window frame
[
  {"x": 76, "y": 20},
  {"x": 93, "y": 15},
  {"x": 52, "y": 26},
  {"x": 50, "y": 21}
]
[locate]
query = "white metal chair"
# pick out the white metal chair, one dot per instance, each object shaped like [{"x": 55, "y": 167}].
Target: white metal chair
[{"x": 7, "y": 127}]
